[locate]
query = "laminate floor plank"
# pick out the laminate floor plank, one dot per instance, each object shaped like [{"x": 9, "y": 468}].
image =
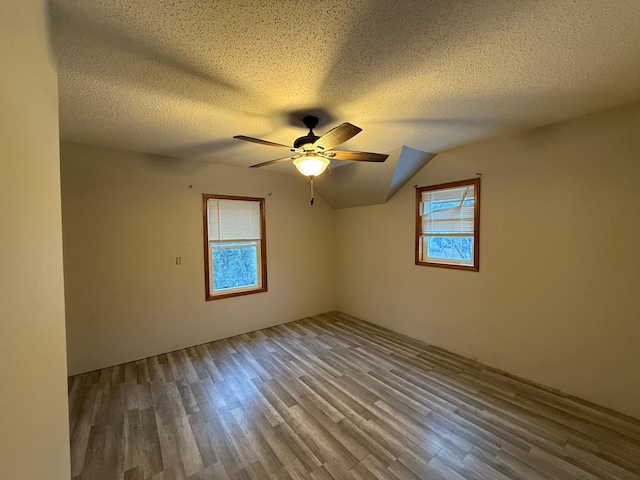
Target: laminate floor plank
[{"x": 331, "y": 397}]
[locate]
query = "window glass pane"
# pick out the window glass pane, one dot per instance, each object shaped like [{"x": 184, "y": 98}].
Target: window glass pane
[
  {"x": 451, "y": 248},
  {"x": 235, "y": 264},
  {"x": 434, "y": 206}
]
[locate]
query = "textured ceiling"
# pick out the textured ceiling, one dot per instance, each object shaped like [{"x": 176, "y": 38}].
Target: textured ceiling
[{"x": 181, "y": 77}]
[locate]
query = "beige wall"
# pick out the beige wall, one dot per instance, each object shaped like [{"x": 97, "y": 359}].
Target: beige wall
[
  {"x": 557, "y": 296},
  {"x": 127, "y": 217},
  {"x": 34, "y": 441}
]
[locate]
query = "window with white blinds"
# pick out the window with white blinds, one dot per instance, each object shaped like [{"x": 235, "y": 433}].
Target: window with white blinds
[
  {"x": 235, "y": 247},
  {"x": 447, "y": 225}
]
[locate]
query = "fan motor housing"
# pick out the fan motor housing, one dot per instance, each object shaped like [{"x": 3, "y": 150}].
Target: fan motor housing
[{"x": 305, "y": 140}]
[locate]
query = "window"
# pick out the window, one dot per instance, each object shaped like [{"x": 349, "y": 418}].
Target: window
[
  {"x": 235, "y": 246},
  {"x": 448, "y": 225}
]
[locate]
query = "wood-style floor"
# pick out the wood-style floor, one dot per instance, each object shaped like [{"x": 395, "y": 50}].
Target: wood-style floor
[{"x": 332, "y": 397}]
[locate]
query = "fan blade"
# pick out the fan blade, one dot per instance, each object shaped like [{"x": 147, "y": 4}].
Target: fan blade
[
  {"x": 337, "y": 136},
  {"x": 262, "y": 142},
  {"x": 358, "y": 156},
  {"x": 272, "y": 162}
]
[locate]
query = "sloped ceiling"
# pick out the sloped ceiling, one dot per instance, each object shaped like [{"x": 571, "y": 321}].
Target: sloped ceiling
[
  {"x": 360, "y": 183},
  {"x": 181, "y": 77}
]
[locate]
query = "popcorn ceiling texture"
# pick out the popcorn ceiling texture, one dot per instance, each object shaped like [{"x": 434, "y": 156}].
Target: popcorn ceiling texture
[{"x": 180, "y": 78}]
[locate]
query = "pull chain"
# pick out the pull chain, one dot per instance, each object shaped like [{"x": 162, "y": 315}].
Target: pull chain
[{"x": 311, "y": 191}]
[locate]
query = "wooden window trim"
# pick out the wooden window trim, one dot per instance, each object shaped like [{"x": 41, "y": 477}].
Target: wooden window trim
[
  {"x": 476, "y": 225},
  {"x": 208, "y": 272}
]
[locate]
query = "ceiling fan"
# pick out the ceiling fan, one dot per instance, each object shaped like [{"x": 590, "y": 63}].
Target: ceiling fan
[{"x": 313, "y": 154}]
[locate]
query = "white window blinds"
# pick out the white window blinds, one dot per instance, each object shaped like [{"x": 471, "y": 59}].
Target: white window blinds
[
  {"x": 449, "y": 211},
  {"x": 233, "y": 220}
]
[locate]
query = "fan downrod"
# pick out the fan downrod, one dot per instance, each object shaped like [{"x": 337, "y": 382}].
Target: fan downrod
[{"x": 310, "y": 122}]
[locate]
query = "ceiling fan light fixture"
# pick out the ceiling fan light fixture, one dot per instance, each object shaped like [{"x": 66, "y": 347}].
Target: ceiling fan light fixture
[{"x": 311, "y": 165}]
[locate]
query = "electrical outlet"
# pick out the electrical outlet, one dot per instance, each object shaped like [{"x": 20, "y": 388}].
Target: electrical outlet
[{"x": 178, "y": 261}]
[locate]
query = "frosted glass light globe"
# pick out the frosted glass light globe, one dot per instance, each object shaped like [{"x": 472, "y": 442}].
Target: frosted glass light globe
[{"x": 311, "y": 165}]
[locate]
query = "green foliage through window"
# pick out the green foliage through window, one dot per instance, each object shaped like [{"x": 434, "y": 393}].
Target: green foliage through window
[
  {"x": 234, "y": 264},
  {"x": 452, "y": 248}
]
